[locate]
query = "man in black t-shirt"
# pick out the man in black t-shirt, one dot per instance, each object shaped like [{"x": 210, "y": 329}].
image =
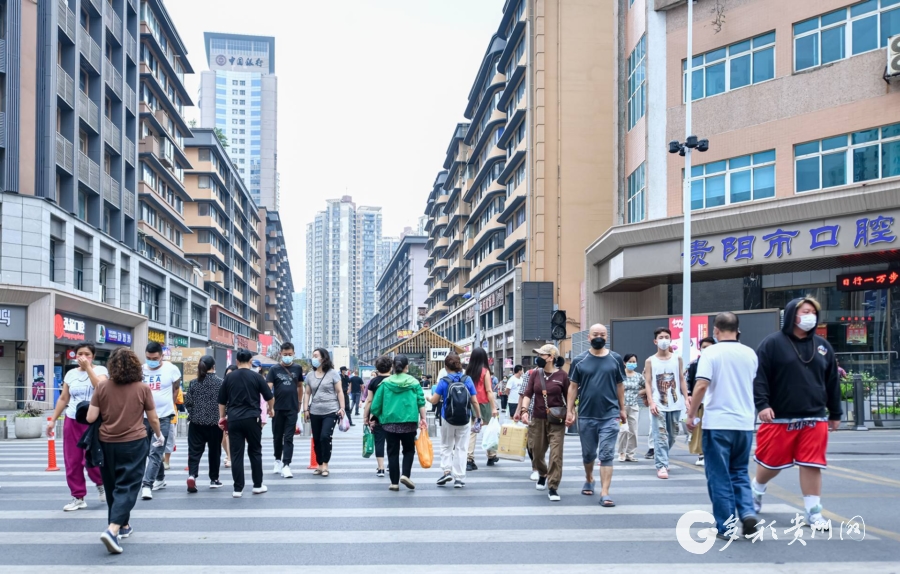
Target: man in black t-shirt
[
  {"x": 286, "y": 382},
  {"x": 240, "y": 394},
  {"x": 345, "y": 383},
  {"x": 356, "y": 384}
]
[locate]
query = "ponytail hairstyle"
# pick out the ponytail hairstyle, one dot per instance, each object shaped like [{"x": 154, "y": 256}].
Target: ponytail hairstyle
[
  {"x": 206, "y": 363},
  {"x": 400, "y": 364}
]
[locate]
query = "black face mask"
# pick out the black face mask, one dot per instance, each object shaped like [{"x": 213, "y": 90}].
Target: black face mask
[
  {"x": 598, "y": 343},
  {"x": 540, "y": 362}
]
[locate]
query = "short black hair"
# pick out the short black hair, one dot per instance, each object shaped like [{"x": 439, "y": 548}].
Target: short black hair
[
  {"x": 287, "y": 346},
  {"x": 659, "y": 330},
  {"x": 705, "y": 340},
  {"x": 343, "y": 369},
  {"x": 244, "y": 356},
  {"x": 383, "y": 364},
  {"x": 727, "y": 322},
  {"x": 153, "y": 347},
  {"x": 517, "y": 369},
  {"x": 87, "y": 346},
  {"x": 629, "y": 356}
]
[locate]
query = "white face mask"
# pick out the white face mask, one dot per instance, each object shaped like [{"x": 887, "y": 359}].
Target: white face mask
[
  {"x": 808, "y": 322},
  {"x": 664, "y": 344}
]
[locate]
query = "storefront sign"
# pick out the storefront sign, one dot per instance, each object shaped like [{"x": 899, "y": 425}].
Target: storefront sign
[
  {"x": 868, "y": 280},
  {"x": 699, "y": 329},
  {"x": 439, "y": 353},
  {"x": 857, "y": 334},
  {"x": 12, "y": 323},
  {"x": 68, "y": 328},
  {"x": 404, "y": 334},
  {"x": 155, "y": 336},
  {"x": 492, "y": 301},
  {"x": 230, "y": 62},
  {"x": 112, "y": 336},
  {"x": 178, "y": 340},
  {"x": 242, "y": 342}
]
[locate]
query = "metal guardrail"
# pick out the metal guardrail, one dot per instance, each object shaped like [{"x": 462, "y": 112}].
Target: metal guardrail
[{"x": 870, "y": 401}]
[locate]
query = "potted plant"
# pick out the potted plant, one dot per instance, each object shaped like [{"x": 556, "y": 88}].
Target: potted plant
[{"x": 29, "y": 422}]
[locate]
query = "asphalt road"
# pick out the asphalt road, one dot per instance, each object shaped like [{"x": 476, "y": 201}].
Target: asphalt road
[{"x": 499, "y": 520}]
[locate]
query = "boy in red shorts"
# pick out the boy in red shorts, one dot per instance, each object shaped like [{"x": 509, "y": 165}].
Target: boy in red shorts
[{"x": 798, "y": 395}]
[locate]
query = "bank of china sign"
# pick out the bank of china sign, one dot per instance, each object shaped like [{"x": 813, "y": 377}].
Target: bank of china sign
[{"x": 234, "y": 63}]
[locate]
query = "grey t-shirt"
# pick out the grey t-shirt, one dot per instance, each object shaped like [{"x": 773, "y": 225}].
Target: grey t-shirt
[
  {"x": 324, "y": 400},
  {"x": 597, "y": 379}
]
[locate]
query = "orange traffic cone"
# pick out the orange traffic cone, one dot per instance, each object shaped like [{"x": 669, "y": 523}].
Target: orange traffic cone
[
  {"x": 312, "y": 456},
  {"x": 51, "y": 449}
]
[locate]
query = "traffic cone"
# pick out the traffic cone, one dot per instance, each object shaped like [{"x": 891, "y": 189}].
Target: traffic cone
[
  {"x": 312, "y": 456},
  {"x": 51, "y": 449}
]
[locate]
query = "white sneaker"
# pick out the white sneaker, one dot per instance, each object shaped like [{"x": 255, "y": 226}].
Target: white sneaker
[
  {"x": 815, "y": 520},
  {"x": 159, "y": 484},
  {"x": 277, "y": 468},
  {"x": 261, "y": 490},
  {"x": 286, "y": 472},
  {"x": 76, "y": 504},
  {"x": 699, "y": 462},
  {"x": 535, "y": 475},
  {"x": 101, "y": 492},
  {"x": 237, "y": 494},
  {"x": 146, "y": 494}
]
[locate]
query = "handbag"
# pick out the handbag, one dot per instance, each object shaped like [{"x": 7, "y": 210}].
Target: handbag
[
  {"x": 368, "y": 442},
  {"x": 555, "y": 415}
]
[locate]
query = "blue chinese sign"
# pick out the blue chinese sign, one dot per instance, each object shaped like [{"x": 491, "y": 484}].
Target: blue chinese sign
[{"x": 869, "y": 231}]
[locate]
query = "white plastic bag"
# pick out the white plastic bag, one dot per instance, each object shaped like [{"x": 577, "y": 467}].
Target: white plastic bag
[{"x": 490, "y": 440}]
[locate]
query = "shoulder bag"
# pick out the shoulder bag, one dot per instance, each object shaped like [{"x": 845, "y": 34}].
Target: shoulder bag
[{"x": 555, "y": 415}]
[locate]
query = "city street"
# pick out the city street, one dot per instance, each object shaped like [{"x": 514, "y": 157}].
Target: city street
[{"x": 498, "y": 520}]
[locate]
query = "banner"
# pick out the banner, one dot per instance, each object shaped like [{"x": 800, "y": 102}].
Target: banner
[{"x": 698, "y": 329}]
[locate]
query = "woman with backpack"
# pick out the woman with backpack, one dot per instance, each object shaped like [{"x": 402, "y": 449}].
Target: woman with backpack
[
  {"x": 398, "y": 404},
  {"x": 457, "y": 393},
  {"x": 480, "y": 374},
  {"x": 383, "y": 365}
]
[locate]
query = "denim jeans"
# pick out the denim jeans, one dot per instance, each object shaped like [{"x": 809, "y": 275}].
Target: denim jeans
[
  {"x": 663, "y": 426},
  {"x": 727, "y": 455},
  {"x": 155, "y": 469}
]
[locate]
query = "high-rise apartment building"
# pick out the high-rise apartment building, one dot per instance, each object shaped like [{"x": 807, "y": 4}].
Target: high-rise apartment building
[
  {"x": 526, "y": 182},
  {"x": 388, "y": 246},
  {"x": 368, "y": 229},
  {"x": 799, "y": 192},
  {"x": 239, "y": 96},
  {"x": 277, "y": 281},
  {"x": 298, "y": 330}
]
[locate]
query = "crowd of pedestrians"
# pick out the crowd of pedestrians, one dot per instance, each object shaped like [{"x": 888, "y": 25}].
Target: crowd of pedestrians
[{"x": 118, "y": 419}]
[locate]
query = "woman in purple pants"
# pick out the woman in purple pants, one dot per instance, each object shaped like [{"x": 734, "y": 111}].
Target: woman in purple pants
[{"x": 78, "y": 385}]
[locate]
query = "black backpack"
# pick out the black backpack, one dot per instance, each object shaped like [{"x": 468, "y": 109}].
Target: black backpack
[{"x": 456, "y": 403}]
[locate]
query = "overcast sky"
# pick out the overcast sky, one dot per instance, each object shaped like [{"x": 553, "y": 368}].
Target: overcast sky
[{"x": 369, "y": 93}]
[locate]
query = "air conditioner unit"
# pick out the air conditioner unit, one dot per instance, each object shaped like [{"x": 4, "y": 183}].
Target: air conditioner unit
[{"x": 893, "y": 57}]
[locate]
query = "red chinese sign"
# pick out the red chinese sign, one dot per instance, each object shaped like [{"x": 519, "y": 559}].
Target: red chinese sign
[
  {"x": 699, "y": 329},
  {"x": 868, "y": 280}
]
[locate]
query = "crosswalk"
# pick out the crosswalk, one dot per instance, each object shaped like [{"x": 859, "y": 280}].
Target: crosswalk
[{"x": 351, "y": 520}]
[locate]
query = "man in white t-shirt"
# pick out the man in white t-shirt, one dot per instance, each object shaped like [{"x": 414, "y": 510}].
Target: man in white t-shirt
[
  {"x": 725, "y": 375},
  {"x": 162, "y": 378}
]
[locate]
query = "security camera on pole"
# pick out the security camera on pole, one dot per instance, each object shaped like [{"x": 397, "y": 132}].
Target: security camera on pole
[{"x": 684, "y": 149}]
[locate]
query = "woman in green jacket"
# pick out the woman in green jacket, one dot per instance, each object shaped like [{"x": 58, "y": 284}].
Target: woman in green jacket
[{"x": 398, "y": 405}]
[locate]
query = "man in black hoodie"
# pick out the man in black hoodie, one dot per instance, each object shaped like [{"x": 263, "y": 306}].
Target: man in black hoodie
[{"x": 797, "y": 393}]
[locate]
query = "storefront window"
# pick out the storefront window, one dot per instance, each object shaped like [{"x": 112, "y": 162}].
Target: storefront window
[{"x": 855, "y": 323}]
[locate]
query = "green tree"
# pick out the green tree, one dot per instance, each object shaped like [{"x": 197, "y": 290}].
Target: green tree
[{"x": 222, "y": 139}]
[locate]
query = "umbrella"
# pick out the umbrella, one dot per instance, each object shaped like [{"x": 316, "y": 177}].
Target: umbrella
[{"x": 264, "y": 361}]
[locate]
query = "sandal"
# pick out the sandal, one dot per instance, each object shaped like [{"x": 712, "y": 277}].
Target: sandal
[
  {"x": 324, "y": 473},
  {"x": 227, "y": 463},
  {"x": 606, "y": 502},
  {"x": 588, "y": 489},
  {"x": 317, "y": 472}
]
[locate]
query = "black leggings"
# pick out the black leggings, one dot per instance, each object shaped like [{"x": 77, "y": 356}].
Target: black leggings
[
  {"x": 380, "y": 435},
  {"x": 322, "y": 431},
  {"x": 394, "y": 440}
]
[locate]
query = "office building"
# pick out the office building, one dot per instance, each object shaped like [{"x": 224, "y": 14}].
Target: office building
[
  {"x": 388, "y": 247},
  {"x": 298, "y": 329},
  {"x": 226, "y": 242},
  {"x": 368, "y": 229},
  {"x": 402, "y": 292},
  {"x": 368, "y": 341},
  {"x": 239, "y": 96},
  {"x": 526, "y": 182},
  {"x": 277, "y": 281},
  {"x": 800, "y": 189}
]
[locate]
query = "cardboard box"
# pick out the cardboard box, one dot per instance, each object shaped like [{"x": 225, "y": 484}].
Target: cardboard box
[{"x": 513, "y": 439}]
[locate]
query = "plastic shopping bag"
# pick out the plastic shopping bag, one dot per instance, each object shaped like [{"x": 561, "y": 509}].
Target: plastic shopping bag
[
  {"x": 344, "y": 424},
  {"x": 368, "y": 442},
  {"x": 490, "y": 440},
  {"x": 423, "y": 449}
]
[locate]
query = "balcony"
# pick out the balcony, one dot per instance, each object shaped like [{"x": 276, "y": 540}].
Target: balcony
[
  {"x": 66, "y": 20},
  {"x": 113, "y": 135},
  {"x": 111, "y": 189},
  {"x": 130, "y": 152},
  {"x": 97, "y": 5},
  {"x": 88, "y": 172},
  {"x": 65, "y": 153},
  {"x": 214, "y": 276},
  {"x": 130, "y": 98},
  {"x": 89, "y": 49},
  {"x": 167, "y": 153},
  {"x": 88, "y": 111},
  {"x": 133, "y": 4},
  {"x": 65, "y": 87},
  {"x": 128, "y": 203},
  {"x": 113, "y": 23},
  {"x": 150, "y": 195},
  {"x": 113, "y": 78},
  {"x": 2, "y": 130},
  {"x": 150, "y": 145},
  {"x": 131, "y": 47}
]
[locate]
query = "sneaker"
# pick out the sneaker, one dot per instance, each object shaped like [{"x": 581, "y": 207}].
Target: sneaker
[
  {"x": 76, "y": 504},
  {"x": 750, "y": 525},
  {"x": 146, "y": 494},
  {"x": 125, "y": 532},
  {"x": 445, "y": 479},
  {"x": 492, "y": 461},
  {"x": 535, "y": 475},
  {"x": 261, "y": 490},
  {"x": 650, "y": 454},
  {"x": 286, "y": 472},
  {"x": 215, "y": 484},
  {"x": 407, "y": 482},
  {"x": 757, "y": 496},
  {"x": 394, "y": 488},
  {"x": 662, "y": 473},
  {"x": 237, "y": 494},
  {"x": 622, "y": 458},
  {"x": 166, "y": 465},
  {"x": 815, "y": 520},
  {"x": 111, "y": 542},
  {"x": 192, "y": 484},
  {"x": 459, "y": 483},
  {"x": 553, "y": 495},
  {"x": 159, "y": 484},
  {"x": 541, "y": 483},
  {"x": 470, "y": 466},
  {"x": 277, "y": 468},
  {"x": 630, "y": 458},
  {"x": 379, "y": 473},
  {"x": 101, "y": 493},
  {"x": 699, "y": 461}
]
